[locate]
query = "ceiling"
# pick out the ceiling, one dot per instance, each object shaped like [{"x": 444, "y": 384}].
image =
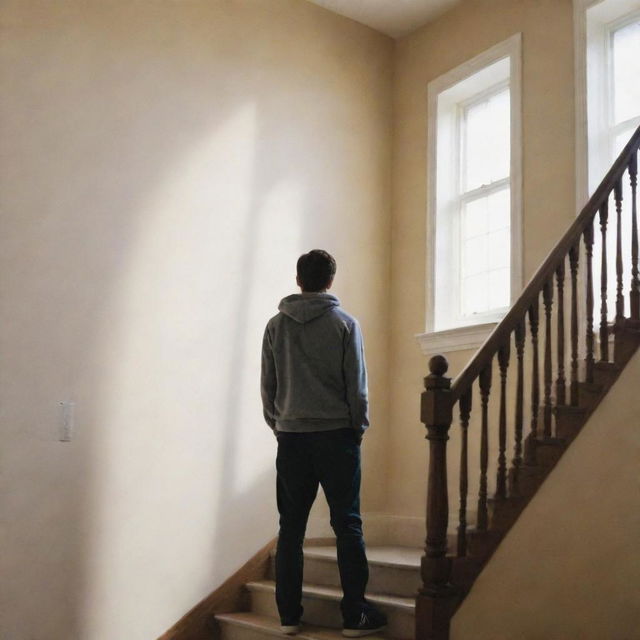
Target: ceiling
[{"x": 394, "y": 17}]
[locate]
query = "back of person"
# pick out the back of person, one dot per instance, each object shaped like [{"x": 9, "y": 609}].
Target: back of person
[
  {"x": 318, "y": 358},
  {"x": 314, "y": 397}
]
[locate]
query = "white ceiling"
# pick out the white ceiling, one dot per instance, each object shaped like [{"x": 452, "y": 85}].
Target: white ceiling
[{"x": 394, "y": 17}]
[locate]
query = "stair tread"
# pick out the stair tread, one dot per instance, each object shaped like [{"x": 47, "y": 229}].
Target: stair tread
[
  {"x": 272, "y": 627},
  {"x": 392, "y": 556},
  {"x": 334, "y": 593}
]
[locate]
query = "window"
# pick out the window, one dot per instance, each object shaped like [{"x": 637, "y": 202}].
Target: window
[
  {"x": 607, "y": 46},
  {"x": 608, "y": 107},
  {"x": 474, "y": 197}
]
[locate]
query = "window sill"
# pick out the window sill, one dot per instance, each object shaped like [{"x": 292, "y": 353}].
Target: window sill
[{"x": 458, "y": 339}]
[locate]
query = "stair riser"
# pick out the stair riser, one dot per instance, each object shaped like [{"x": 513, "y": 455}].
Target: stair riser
[
  {"x": 326, "y": 613},
  {"x": 238, "y": 632},
  {"x": 394, "y": 581},
  {"x": 568, "y": 427}
]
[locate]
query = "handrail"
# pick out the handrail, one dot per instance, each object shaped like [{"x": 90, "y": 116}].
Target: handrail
[{"x": 531, "y": 292}]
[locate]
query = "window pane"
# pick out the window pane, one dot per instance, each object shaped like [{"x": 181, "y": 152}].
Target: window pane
[
  {"x": 499, "y": 136},
  {"x": 487, "y": 141},
  {"x": 499, "y": 250},
  {"x": 475, "y": 255},
  {"x": 485, "y": 252},
  {"x": 500, "y": 210},
  {"x": 626, "y": 71},
  {"x": 499, "y": 289},
  {"x": 475, "y": 147},
  {"x": 474, "y": 294},
  {"x": 474, "y": 218}
]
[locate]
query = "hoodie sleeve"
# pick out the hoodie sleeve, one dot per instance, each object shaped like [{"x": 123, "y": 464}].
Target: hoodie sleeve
[
  {"x": 355, "y": 376},
  {"x": 268, "y": 381}
]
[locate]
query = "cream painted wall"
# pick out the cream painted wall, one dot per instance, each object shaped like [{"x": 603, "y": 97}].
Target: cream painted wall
[
  {"x": 163, "y": 165},
  {"x": 548, "y": 193},
  {"x": 569, "y": 567}
]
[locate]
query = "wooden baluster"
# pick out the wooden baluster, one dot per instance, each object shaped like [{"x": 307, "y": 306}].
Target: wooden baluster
[
  {"x": 574, "y": 254},
  {"x": 485, "y": 389},
  {"x": 560, "y": 382},
  {"x": 435, "y": 600},
  {"x": 465, "y": 412},
  {"x": 547, "y": 298},
  {"x": 588, "y": 245},
  {"x": 617, "y": 194},
  {"x": 503, "y": 362},
  {"x": 517, "y": 460},
  {"x": 532, "y": 439},
  {"x": 604, "y": 311},
  {"x": 634, "y": 294}
]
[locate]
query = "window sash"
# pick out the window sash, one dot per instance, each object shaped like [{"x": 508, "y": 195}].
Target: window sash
[
  {"x": 458, "y": 242},
  {"x": 461, "y": 131},
  {"x": 615, "y": 129},
  {"x": 466, "y": 197}
]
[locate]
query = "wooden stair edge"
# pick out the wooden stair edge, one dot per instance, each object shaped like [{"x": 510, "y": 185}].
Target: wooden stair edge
[
  {"x": 271, "y": 626},
  {"x": 326, "y": 592}
]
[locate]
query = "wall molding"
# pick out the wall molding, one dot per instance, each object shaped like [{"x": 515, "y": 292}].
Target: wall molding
[{"x": 458, "y": 339}]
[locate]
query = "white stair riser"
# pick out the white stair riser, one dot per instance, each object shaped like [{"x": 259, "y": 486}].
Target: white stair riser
[
  {"x": 326, "y": 613},
  {"x": 394, "y": 581}
]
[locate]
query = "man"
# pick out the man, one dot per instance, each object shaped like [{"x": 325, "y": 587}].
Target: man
[{"x": 314, "y": 395}]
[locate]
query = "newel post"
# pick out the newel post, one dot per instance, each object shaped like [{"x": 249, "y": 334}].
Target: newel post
[{"x": 436, "y": 597}]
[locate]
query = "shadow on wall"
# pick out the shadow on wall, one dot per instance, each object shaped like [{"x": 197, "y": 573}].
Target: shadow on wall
[{"x": 161, "y": 187}]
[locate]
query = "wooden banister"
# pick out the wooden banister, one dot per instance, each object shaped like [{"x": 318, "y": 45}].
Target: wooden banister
[
  {"x": 546, "y": 271},
  {"x": 542, "y": 300}
]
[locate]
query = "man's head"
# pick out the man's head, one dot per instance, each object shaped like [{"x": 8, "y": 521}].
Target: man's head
[{"x": 315, "y": 271}]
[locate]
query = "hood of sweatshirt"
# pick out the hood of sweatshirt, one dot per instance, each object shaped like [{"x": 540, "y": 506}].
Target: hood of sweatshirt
[{"x": 304, "y": 307}]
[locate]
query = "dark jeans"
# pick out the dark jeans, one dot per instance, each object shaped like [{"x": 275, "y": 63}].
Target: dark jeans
[{"x": 331, "y": 459}]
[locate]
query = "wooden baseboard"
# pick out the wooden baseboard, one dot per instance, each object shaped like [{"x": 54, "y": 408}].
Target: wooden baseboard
[{"x": 199, "y": 623}]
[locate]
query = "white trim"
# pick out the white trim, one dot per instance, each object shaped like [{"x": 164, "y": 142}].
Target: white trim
[
  {"x": 512, "y": 49},
  {"x": 458, "y": 339}
]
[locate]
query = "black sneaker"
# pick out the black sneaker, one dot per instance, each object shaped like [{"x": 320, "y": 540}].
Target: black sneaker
[
  {"x": 290, "y": 627},
  {"x": 371, "y": 621}
]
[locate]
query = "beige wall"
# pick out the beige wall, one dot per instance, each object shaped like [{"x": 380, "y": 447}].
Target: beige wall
[
  {"x": 548, "y": 190},
  {"x": 163, "y": 165},
  {"x": 569, "y": 568}
]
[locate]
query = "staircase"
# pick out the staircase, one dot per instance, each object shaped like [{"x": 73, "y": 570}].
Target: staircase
[
  {"x": 570, "y": 358},
  {"x": 573, "y": 330},
  {"x": 394, "y": 577}
]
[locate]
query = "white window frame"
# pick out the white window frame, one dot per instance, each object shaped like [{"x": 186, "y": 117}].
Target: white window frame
[
  {"x": 475, "y": 330},
  {"x": 594, "y": 95}
]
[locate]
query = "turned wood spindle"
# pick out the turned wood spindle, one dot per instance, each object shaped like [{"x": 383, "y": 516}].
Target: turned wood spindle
[
  {"x": 547, "y": 298},
  {"x": 560, "y": 382},
  {"x": 588, "y": 245},
  {"x": 532, "y": 439},
  {"x": 503, "y": 363},
  {"x": 617, "y": 194},
  {"x": 520, "y": 342},
  {"x": 574, "y": 255},
  {"x": 604, "y": 311},
  {"x": 634, "y": 293},
  {"x": 465, "y": 412},
  {"x": 485, "y": 389}
]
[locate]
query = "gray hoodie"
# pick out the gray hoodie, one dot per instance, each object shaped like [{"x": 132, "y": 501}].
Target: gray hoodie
[{"x": 314, "y": 376}]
